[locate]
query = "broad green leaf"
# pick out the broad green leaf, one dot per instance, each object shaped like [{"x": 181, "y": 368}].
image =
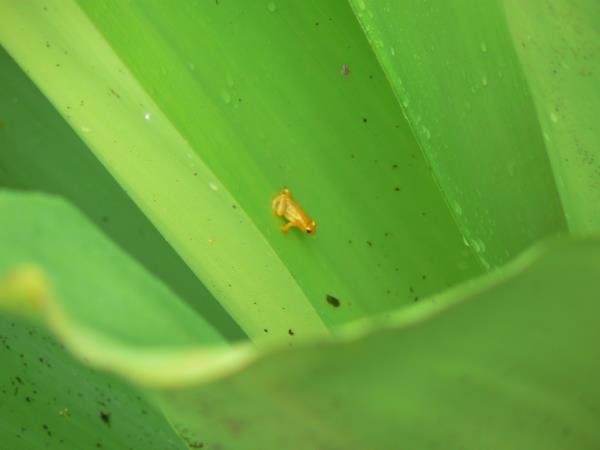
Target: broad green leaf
[
  {"x": 48, "y": 251},
  {"x": 506, "y": 360},
  {"x": 558, "y": 44},
  {"x": 48, "y": 400},
  {"x": 509, "y": 361},
  {"x": 204, "y": 111},
  {"x": 455, "y": 72},
  {"x": 39, "y": 151}
]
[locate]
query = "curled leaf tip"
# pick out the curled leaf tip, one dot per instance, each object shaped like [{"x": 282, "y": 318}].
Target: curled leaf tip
[{"x": 24, "y": 289}]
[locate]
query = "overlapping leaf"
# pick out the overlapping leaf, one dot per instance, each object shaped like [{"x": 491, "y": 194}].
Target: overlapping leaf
[
  {"x": 454, "y": 69},
  {"x": 558, "y": 44},
  {"x": 458, "y": 378}
]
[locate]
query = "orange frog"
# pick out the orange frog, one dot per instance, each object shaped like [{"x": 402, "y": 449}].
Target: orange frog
[{"x": 285, "y": 206}]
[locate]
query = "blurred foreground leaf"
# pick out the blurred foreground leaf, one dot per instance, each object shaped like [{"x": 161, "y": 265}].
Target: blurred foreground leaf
[
  {"x": 48, "y": 400},
  {"x": 109, "y": 307},
  {"x": 506, "y": 358}
]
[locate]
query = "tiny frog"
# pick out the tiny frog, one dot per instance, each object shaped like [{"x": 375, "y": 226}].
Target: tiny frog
[{"x": 285, "y": 206}]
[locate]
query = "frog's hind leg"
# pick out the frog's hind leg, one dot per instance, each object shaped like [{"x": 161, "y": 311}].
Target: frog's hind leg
[{"x": 278, "y": 205}]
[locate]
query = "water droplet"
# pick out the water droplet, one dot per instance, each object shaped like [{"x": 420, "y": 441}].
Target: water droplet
[
  {"x": 484, "y": 80},
  {"x": 393, "y": 51},
  {"x": 481, "y": 245},
  {"x": 147, "y": 116},
  {"x": 426, "y": 132},
  {"x": 457, "y": 209},
  {"x": 466, "y": 242},
  {"x": 475, "y": 244},
  {"x": 272, "y": 7},
  {"x": 405, "y": 102},
  {"x": 361, "y": 5},
  {"x": 213, "y": 186},
  {"x": 86, "y": 129},
  {"x": 483, "y": 47},
  {"x": 553, "y": 117}
]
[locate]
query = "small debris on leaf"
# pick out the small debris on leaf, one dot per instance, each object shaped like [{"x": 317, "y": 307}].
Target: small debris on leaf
[{"x": 333, "y": 301}]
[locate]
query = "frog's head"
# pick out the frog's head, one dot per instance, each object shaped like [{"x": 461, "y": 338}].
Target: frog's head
[{"x": 311, "y": 227}]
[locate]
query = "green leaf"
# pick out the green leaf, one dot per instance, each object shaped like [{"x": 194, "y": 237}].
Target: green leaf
[
  {"x": 509, "y": 360},
  {"x": 104, "y": 290},
  {"x": 558, "y": 44},
  {"x": 108, "y": 306},
  {"x": 49, "y": 400},
  {"x": 505, "y": 358},
  {"x": 454, "y": 69},
  {"x": 41, "y": 152},
  {"x": 180, "y": 109}
]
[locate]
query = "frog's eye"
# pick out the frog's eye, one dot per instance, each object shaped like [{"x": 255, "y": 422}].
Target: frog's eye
[{"x": 308, "y": 230}]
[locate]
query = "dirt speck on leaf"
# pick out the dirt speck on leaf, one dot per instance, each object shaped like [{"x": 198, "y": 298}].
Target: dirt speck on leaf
[
  {"x": 105, "y": 417},
  {"x": 333, "y": 301}
]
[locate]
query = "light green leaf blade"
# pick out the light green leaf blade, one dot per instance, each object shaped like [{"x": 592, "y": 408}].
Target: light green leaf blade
[
  {"x": 346, "y": 172},
  {"x": 558, "y": 44},
  {"x": 502, "y": 359},
  {"x": 41, "y": 152},
  {"x": 455, "y": 72}
]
